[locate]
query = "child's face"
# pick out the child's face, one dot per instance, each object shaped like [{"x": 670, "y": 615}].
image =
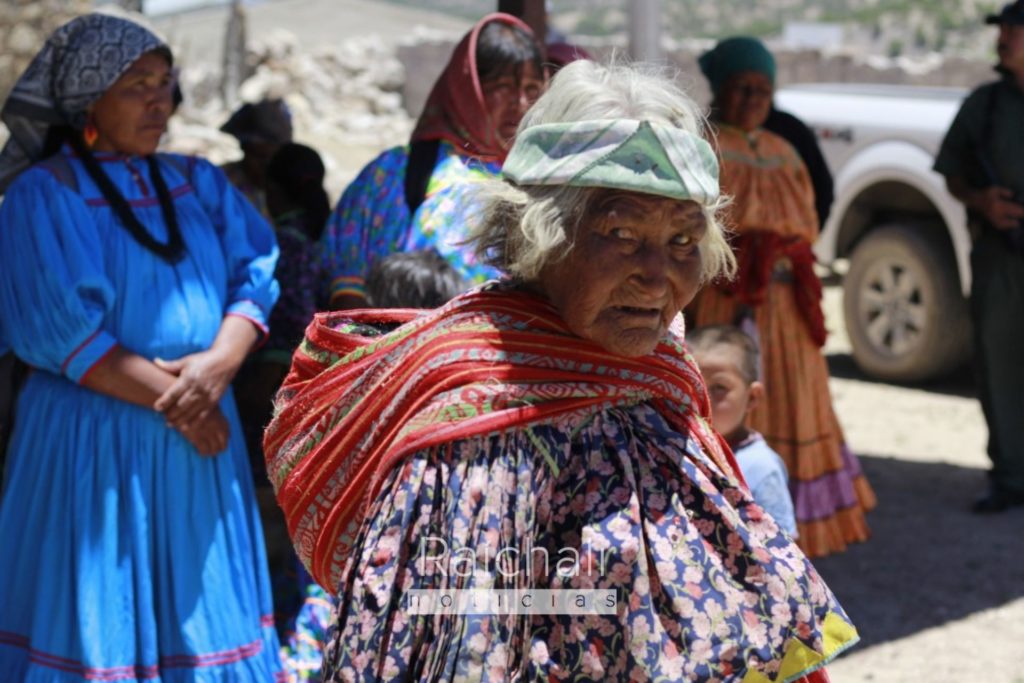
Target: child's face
[{"x": 731, "y": 395}]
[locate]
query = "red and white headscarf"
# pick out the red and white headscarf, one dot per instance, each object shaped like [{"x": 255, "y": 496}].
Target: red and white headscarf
[{"x": 455, "y": 110}]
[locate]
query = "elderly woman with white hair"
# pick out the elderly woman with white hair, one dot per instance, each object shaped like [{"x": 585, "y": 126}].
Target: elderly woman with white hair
[{"x": 523, "y": 484}]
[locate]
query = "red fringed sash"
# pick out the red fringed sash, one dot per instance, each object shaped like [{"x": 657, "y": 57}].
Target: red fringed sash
[
  {"x": 757, "y": 252},
  {"x": 353, "y": 406}
]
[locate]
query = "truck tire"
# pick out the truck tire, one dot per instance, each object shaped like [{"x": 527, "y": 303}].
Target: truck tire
[{"x": 905, "y": 316}]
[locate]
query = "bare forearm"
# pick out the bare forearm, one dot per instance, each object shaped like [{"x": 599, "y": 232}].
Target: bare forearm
[
  {"x": 1000, "y": 207},
  {"x": 129, "y": 377},
  {"x": 235, "y": 339}
]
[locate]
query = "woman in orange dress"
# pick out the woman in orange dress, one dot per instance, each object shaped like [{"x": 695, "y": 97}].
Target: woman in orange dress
[{"x": 777, "y": 297}]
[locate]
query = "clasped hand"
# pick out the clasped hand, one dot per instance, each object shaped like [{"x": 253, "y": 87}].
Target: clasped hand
[
  {"x": 190, "y": 405},
  {"x": 999, "y": 208}
]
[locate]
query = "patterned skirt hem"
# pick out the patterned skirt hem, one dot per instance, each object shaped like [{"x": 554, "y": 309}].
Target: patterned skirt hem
[
  {"x": 832, "y": 534},
  {"x": 801, "y": 661},
  {"x": 21, "y": 655}
]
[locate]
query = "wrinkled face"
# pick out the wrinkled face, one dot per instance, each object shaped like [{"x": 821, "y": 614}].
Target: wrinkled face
[
  {"x": 1010, "y": 47},
  {"x": 746, "y": 100},
  {"x": 508, "y": 97},
  {"x": 132, "y": 114},
  {"x": 635, "y": 264},
  {"x": 729, "y": 392}
]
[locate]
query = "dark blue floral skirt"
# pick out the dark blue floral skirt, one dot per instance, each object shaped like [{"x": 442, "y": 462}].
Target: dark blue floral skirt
[{"x": 706, "y": 586}]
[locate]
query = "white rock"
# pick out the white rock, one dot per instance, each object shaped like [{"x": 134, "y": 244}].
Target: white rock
[{"x": 24, "y": 40}]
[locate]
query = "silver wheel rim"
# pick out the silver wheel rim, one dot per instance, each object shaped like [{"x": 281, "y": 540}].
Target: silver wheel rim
[{"x": 891, "y": 308}]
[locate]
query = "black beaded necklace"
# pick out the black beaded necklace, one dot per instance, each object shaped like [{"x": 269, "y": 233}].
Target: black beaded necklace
[{"x": 173, "y": 249}]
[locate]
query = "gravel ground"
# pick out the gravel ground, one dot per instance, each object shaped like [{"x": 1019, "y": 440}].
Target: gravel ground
[{"x": 937, "y": 593}]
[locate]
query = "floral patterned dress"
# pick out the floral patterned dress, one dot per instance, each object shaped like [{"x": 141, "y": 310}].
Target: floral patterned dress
[
  {"x": 706, "y": 582},
  {"x": 546, "y": 464}
]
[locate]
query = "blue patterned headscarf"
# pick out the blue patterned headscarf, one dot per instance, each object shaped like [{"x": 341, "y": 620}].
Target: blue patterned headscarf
[
  {"x": 735, "y": 55},
  {"x": 79, "y": 61}
]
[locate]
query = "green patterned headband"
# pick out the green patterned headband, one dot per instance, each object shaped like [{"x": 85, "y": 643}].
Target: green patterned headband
[{"x": 622, "y": 154}]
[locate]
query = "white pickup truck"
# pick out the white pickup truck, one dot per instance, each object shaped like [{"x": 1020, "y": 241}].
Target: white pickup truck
[{"x": 905, "y": 236}]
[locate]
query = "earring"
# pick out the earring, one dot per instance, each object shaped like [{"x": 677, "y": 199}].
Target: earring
[{"x": 90, "y": 134}]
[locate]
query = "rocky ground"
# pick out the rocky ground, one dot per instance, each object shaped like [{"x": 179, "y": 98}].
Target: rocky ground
[{"x": 333, "y": 61}]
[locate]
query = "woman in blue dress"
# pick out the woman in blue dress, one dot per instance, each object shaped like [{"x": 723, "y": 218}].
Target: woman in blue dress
[{"x": 133, "y": 284}]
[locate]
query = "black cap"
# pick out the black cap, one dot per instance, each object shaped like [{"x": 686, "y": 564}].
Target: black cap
[
  {"x": 266, "y": 121},
  {"x": 1012, "y": 13}
]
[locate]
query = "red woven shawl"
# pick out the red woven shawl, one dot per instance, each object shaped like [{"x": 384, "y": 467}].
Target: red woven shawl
[{"x": 492, "y": 360}]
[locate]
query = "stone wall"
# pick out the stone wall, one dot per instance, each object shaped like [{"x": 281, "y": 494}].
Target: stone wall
[
  {"x": 24, "y": 25},
  {"x": 812, "y": 66},
  {"x": 356, "y": 96},
  {"x": 344, "y": 99}
]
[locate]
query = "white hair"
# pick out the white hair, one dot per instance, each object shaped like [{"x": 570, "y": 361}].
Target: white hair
[{"x": 521, "y": 229}]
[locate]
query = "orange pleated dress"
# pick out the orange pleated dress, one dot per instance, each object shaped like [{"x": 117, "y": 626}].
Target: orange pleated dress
[{"x": 771, "y": 192}]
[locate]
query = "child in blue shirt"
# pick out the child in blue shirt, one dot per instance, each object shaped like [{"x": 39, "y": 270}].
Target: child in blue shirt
[{"x": 729, "y": 360}]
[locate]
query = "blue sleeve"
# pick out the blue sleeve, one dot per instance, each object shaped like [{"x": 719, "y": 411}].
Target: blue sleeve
[
  {"x": 54, "y": 292},
  {"x": 369, "y": 222},
  {"x": 772, "y": 493},
  {"x": 248, "y": 242}
]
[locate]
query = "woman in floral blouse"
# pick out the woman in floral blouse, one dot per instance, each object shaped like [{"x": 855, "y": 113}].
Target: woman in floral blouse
[{"x": 414, "y": 197}]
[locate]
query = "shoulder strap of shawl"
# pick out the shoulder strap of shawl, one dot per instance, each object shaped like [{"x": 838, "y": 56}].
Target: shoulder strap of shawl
[
  {"x": 757, "y": 253},
  {"x": 418, "y": 169}
]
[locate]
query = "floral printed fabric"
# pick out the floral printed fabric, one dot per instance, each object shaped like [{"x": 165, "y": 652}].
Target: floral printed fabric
[
  {"x": 356, "y": 405},
  {"x": 708, "y": 587},
  {"x": 303, "y": 613},
  {"x": 440, "y": 222},
  {"x": 372, "y": 221}
]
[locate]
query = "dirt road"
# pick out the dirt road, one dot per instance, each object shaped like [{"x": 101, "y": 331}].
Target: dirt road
[{"x": 937, "y": 593}]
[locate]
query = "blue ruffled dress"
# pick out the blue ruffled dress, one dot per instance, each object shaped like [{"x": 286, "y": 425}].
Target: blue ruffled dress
[{"x": 127, "y": 556}]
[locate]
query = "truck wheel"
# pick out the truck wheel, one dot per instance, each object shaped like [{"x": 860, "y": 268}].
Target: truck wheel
[{"x": 905, "y": 316}]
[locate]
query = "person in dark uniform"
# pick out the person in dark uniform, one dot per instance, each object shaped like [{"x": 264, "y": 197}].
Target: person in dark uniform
[{"x": 982, "y": 158}]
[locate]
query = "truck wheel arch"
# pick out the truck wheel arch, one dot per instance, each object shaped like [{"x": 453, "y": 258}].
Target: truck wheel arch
[{"x": 890, "y": 181}]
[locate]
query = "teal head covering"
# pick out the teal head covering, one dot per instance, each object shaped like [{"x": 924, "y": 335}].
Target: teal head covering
[
  {"x": 735, "y": 55},
  {"x": 621, "y": 154}
]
